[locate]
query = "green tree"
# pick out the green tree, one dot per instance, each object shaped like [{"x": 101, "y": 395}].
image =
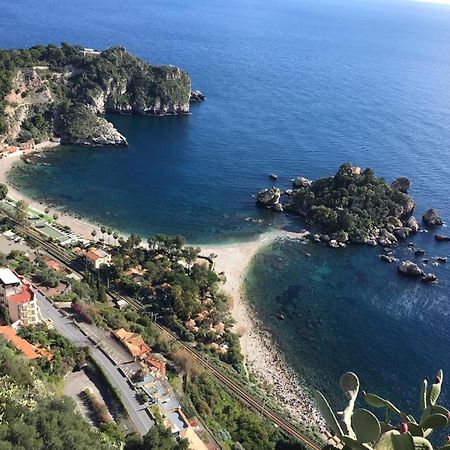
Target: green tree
[
  {"x": 3, "y": 191},
  {"x": 21, "y": 213}
]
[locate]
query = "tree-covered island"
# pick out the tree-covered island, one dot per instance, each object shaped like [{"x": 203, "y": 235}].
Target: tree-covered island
[
  {"x": 354, "y": 205},
  {"x": 61, "y": 91}
]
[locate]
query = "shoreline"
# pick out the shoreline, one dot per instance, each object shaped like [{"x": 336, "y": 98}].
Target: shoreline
[
  {"x": 262, "y": 357},
  {"x": 261, "y": 354},
  {"x": 79, "y": 225}
]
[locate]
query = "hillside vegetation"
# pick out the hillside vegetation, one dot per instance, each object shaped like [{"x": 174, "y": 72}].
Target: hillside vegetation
[{"x": 43, "y": 89}]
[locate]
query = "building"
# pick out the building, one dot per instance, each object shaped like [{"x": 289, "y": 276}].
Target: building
[
  {"x": 18, "y": 298},
  {"x": 97, "y": 257},
  {"x": 29, "y": 350},
  {"x": 133, "y": 342}
]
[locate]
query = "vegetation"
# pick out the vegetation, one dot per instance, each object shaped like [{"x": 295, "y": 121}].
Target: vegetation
[
  {"x": 32, "y": 417},
  {"x": 158, "y": 438},
  {"x": 361, "y": 429},
  {"x": 65, "y": 83},
  {"x": 65, "y": 355},
  {"x": 234, "y": 423},
  {"x": 184, "y": 291},
  {"x": 349, "y": 202}
]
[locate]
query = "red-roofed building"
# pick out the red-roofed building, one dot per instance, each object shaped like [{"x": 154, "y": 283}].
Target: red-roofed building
[
  {"x": 18, "y": 297},
  {"x": 29, "y": 350},
  {"x": 97, "y": 257}
]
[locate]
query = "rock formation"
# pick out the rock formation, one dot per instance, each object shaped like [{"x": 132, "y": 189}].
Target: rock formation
[{"x": 432, "y": 218}]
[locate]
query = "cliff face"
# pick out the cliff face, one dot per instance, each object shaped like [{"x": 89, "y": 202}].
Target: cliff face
[{"x": 60, "y": 91}]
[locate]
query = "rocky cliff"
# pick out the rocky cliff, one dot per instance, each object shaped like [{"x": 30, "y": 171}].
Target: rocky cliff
[{"x": 61, "y": 91}]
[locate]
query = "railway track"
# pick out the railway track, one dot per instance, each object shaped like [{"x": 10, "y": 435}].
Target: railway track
[{"x": 70, "y": 260}]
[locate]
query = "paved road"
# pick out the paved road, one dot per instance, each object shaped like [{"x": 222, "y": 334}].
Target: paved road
[{"x": 68, "y": 329}]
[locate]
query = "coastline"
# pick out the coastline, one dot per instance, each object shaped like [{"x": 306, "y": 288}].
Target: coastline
[
  {"x": 262, "y": 357},
  {"x": 78, "y": 225}
]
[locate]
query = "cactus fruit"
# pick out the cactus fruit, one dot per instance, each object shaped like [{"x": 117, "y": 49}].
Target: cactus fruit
[{"x": 360, "y": 429}]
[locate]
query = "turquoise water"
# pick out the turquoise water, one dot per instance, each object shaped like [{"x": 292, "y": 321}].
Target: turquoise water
[{"x": 295, "y": 88}]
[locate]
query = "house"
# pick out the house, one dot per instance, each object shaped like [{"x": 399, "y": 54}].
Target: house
[
  {"x": 140, "y": 351},
  {"x": 97, "y": 257},
  {"x": 18, "y": 297},
  {"x": 29, "y": 350},
  {"x": 90, "y": 51},
  {"x": 133, "y": 342}
]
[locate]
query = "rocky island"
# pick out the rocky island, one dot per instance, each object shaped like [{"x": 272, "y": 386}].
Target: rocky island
[
  {"x": 352, "y": 206},
  {"x": 51, "y": 92}
]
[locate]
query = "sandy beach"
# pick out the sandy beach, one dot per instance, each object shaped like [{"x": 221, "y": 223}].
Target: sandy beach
[{"x": 262, "y": 357}]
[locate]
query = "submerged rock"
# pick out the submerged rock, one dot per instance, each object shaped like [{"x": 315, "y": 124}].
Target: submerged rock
[
  {"x": 419, "y": 252},
  {"x": 441, "y": 259},
  {"x": 388, "y": 258},
  {"x": 432, "y": 218},
  {"x": 442, "y": 237},
  {"x": 410, "y": 269}
]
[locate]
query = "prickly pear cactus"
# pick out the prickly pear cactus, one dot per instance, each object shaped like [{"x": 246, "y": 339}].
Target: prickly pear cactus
[{"x": 360, "y": 429}]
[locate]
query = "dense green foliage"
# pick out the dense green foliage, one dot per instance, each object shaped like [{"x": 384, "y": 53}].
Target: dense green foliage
[
  {"x": 158, "y": 438},
  {"x": 349, "y": 202},
  {"x": 231, "y": 420},
  {"x": 32, "y": 417},
  {"x": 72, "y": 79}
]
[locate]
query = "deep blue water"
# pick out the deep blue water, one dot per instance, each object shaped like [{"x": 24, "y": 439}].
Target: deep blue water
[{"x": 296, "y": 88}]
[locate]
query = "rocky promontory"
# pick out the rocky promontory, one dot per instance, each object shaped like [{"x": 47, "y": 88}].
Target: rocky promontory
[{"x": 60, "y": 92}]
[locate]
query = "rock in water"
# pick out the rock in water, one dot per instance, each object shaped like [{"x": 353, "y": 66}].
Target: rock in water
[
  {"x": 196, "y": 96},
  {"x": 432, "y": 218},
  {"x": 413, "y": 224},
  {"x": 441, "y": 237},
  {"x": 269, "y": 197},
  {"x": 402, "y": 184},
  {"x": 410, "y": 269},
  {"x": 301, "y": 182},
  {"x": 429, "y": 278}
]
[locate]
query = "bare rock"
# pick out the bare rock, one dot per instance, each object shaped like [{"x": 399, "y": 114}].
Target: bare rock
[
  {"x": 432, "y": 218},
  {"x": 410, "y": 269},
  {"x": 402, "y": 184}
]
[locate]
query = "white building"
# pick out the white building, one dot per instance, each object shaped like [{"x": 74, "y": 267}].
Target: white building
[{"x": 97, "y": 257}]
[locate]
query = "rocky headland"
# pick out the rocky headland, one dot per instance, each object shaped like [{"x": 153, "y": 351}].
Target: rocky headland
[{"x": 51, "y": 92}]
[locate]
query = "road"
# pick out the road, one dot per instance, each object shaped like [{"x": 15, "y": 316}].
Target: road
[{"x": 68, "y": 329}]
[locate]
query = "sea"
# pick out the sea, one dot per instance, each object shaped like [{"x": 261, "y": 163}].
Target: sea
[{"x": 293, "y": 87}]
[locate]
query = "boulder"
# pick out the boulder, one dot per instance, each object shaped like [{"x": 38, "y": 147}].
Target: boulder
[
  {"x": 268, "y": 197},
  {"x": 441, "y": 237},
  {"x": 419, "y": 252},
  {"x": 325, "y": 238},
  {"x": 196, "y": 96},
  {"x": 401, "y": 184},
  {"x": 333, "y": 243},
  {"x": 389, "y": 227},
  {"x": 402, "y": 232},
  {"x": 273, "y": 176},
  {"x": 441, "y": 259},
  {"x": 278, "y": 207},
  {"x": 413, "y": 224},
  {"x": 410, "y": 269},
  {"x": 395, "y": 222},
  {"x": 301, "y": 182},
  {"x": 432, "y": 218},
  {"x": 429, "y": 278},
  {"x": 372, "y": 242},
  {"x": 388, "y": 258}
]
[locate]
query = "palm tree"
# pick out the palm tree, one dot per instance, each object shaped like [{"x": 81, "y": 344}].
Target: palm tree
[
  {"x": 55, "y": 216},
  {"x": 109, "y": 233},
  {"x": 103, "y": 230},
  {"x": 93, "y": 234},
  {"x": 115, "y": 236}
]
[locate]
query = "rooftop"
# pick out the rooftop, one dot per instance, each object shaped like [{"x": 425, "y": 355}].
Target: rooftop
[
  {"x": 96, "y": 253},
  {"x": 7, "y": 276},
  {"x": 25, "y": 296},
  {"x": 21, "y": 344},
  {"x": 132, "y": 341}
]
